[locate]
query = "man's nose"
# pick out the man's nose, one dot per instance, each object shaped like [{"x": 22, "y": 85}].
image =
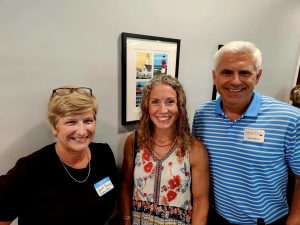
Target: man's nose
[{"x": 236, "y": 78}]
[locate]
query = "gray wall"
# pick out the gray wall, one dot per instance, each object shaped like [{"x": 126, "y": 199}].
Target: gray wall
[{"x": 45, "y": 44}]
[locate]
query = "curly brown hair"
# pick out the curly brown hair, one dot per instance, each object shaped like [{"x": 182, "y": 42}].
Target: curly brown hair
[{"x": 145, "y": 126}]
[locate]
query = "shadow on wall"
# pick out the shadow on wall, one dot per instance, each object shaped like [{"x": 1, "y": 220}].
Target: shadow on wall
[{"x": 34, "y": 139}]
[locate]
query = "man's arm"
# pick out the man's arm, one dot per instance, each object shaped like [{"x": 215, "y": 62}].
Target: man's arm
[{"x": 294, "y": 215}]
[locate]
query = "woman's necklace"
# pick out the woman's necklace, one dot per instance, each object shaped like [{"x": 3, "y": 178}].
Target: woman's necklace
[
  {"x": 162, "y": 155},
  {"x": 165, "y": 145},
  {"x": 78, "y": 181},
  {"x": 162, "y": 145},
  {"x": 159, "y": 154}
]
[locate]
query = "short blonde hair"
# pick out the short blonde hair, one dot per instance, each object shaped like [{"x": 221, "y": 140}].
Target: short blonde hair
[
  {"x": 70, "y": 104},
  {"x": 295, "y": 96}
]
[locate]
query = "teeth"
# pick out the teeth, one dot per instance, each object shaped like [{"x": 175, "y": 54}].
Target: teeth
[
  {"x": 79, "y": 138},
  {"x": 163, "y": 118},
  {"x": 235, "y": 90}
]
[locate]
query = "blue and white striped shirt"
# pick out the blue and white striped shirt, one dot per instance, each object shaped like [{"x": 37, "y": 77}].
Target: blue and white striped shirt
[{"x": 249, "y": 178}]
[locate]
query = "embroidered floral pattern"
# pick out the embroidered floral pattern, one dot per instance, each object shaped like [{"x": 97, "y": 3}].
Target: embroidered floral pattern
[
  {"x": 148, "y": 167},
  {"x": 171, "y": 195},
  {"x": 162, "y": 187},
  {"x": 175, "y": 182},
  {"x": 146, "y": 156}
]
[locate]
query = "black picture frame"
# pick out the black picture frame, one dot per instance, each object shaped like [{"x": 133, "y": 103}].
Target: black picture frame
[
  {"x": 215, "y": 94},
  {"x": 143, "y": 57}
]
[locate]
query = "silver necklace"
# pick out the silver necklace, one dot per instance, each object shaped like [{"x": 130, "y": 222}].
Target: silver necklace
[{"x": 78, "y": 181}]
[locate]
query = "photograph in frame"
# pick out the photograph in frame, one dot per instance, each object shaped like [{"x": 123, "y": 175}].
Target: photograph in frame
[{"x": 144, "y": 57}]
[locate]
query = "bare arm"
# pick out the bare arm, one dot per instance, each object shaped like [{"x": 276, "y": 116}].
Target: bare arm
[
  {"x": 127, "y": 179},
  {"x": 5, "y": 223},
  {"x": 294, "y": 215},
  {"x": 200, "y": 182}
]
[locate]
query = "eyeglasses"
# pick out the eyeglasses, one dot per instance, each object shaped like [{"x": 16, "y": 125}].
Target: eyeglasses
[{"x": 67, "y": 91}]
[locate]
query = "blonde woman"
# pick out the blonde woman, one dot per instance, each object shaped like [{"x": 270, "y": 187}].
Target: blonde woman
[{"x": 63, "y": 182}]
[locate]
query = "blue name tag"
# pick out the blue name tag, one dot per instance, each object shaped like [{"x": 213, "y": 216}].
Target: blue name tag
[{"x": 103, "y": 186}]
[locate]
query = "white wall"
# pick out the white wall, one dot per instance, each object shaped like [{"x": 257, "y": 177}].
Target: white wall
[{"x": 45, "y": 44}]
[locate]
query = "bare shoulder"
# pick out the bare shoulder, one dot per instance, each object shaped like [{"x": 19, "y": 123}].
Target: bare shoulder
[
  {"x": 130, "y": 138},
  {"x": 197, "y": 146},
  {"x": 198, "y": 151},
  {"x": 128, "y": 150},
  {"x": 5, "y": 223}
]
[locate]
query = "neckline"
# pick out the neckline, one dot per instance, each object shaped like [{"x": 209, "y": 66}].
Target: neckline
[
  {"x": 172, "y": 149},
  {"x": 70, "y": 175},
  {"x": 65, "y": 166},
  {"x": 164, "y": 145}
]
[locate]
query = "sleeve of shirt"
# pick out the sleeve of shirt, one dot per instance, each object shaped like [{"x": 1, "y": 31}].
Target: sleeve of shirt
[
  {"x": 194, "y": 123},
  {"x": 11, "y": 190},
  {"x": 294, "y": 149},
  {"x": 112, "y": 168}
]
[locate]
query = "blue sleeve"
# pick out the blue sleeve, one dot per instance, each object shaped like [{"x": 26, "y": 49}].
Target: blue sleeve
[{"x": 294, "y": 149}]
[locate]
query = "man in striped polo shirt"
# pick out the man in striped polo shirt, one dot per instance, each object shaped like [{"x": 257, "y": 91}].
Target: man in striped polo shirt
[{"x": 252, "y": 140}]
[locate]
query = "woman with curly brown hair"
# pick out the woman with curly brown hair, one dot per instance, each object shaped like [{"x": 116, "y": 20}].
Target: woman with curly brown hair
[{"x": 169, "y": 168}]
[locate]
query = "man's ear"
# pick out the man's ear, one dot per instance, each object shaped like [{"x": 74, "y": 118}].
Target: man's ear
[
  {"x": 213, "y": 76},
  {"x": 258, "y": 75}
]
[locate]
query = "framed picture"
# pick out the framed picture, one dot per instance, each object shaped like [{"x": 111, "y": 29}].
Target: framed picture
[
  {"x": 144, "y": 57},
  {"x": 215, "y": 94}
]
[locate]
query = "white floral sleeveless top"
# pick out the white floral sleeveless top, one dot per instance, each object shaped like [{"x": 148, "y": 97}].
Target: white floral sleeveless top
[{"x": 162, "y": 188}]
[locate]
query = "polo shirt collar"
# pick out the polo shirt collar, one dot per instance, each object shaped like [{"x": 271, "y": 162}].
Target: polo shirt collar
[{"x": 252, "y": 110}]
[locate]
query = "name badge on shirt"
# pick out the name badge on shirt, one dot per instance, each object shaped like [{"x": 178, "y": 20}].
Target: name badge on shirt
[
  {"x": 103, "y": 186},
  {"x": 254, "y": 135}
]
